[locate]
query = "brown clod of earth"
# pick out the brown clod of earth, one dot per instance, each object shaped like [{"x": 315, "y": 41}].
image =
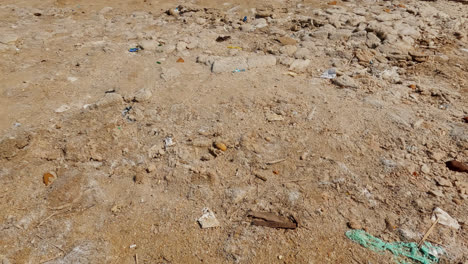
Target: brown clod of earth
[
  {"x": 222, "y": 38},
  {"x": 272, "y": 220},
  {"x": 457, "y": 166},
  {"x": 286, "y": 41}
]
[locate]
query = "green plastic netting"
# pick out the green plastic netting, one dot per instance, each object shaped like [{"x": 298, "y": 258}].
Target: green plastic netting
[{"x": 404, "y": 253}]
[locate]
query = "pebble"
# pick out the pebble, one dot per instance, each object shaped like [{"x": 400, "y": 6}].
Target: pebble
[
  {"x": 345, "y": 82},
  {"x": 443, "y": 182},
  {"x": 425, "y": 168},
  {"x": 287, "y": 41},
  {"x": 62, "y": 108},
  {"x": 208, "y": 219},
  {"x": 221, "y": 146},
  {"x": 354, "y": 224},
  {"x": 229, "y": 64},
  {"x": 299, "y": 65},
  {"x": 143, "y": 95}
]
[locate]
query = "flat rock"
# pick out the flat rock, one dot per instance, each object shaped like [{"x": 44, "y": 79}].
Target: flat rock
[
  {"x": 150, "y": 45},
  {"x": 110, "y": 99},
  {"x": 229, "y": 64},
  {"x": 288, "y": 50},
  {"x": 286, "y": 41},
  {"x": 143, "y": 95},
  {"x": 208, "y": 219},
  {"x": 170, "y": 74},
  {"x": 345, "y": 81},
  {"x": 299, "y": 65}
]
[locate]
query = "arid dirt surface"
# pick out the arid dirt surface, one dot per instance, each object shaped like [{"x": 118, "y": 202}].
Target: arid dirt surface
[{"x": 112, "y": 156}]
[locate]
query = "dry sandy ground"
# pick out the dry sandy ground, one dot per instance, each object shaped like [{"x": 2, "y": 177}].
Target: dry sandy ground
[{"x": 129, "y": 138}]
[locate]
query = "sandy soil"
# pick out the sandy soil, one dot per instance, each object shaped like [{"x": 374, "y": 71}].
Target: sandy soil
[{"x": 131, "y": 139}]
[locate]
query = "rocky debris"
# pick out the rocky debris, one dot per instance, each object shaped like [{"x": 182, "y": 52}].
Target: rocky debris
[
  {"x": 229, "y": 64},
  {"x": 286, "y": 41},
  {"x": 149, "y": 45},
  {"x": 143, "y": 95},
  {"x": 208, "y": 219},
  {"x": 109, "y": 99},
  {"x": 299, "y": 65},
  {"x": 170, "y": 74},
  {"x": 345, "y": 81}
]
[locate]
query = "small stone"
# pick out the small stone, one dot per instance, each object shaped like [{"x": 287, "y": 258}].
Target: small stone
[
  {"x": 170, "y": 74},
  {"x": 302, "y": 53},
  {"x": 247, "y": 28},
  {"x": 151, "y": 168},
  {"x": 138, "y": 178},
  {"x": 221, "y": 146},
  {"x": 143, "y": 95},
  {"x": 271, "y": 117},
  {"x": 354, "y": 224},
  {"x": 181, "y": 46},
  {"x": 345, "y": 81},
  {"x": 287, "y": 41},
  {"x": 425, "y": 169},
  {"x": 150, "y": 45},
  {"x": 229, "y": 64},
  {"x": 208, "y": 219},
  {"x": 457, "y": 201},
  {"x": 299, "y": 65},
  {"x": 110, "y": 99},
  {"x": 260, "y": 23},
  {"x": 436, "y": 193},
  {"x": 444, "y": 218},
  {"x": 443, "y": 182},
  {"x": 288, "y": 50},
  {"x": 62, "y": 108}
]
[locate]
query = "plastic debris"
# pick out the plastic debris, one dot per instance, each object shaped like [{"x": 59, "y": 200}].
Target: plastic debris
[
  {"x": 244, "y": 19},
  {"x": 48, "y": 178},
  {"x": 234, "y": 47},
  {"x": 158, "y": 62},
  {"x": 239, "y": 70},
  {"x": 133, "y": 246},
  {"x": 126, "y": 110},
  {"x": 180, "y": 60},
  {"x": 444, "y": 218},
  {"x": 208, "y": 219},
  {"x": 138, "y": 48},
  {"x": 329, "y": 74},
  {"x": 427, "y": 254}
]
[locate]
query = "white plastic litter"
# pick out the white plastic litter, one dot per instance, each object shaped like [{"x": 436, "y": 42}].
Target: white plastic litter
[
  {"x": 329, "y": 74},
  {"x": 444, "y": 218}
]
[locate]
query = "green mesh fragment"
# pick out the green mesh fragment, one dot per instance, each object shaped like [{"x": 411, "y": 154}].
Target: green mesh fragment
[{"x": 401, "y": 251}]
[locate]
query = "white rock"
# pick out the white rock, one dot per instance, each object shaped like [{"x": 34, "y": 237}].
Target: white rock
[
  {"x": 444, "y": 218},
  {"x": 150, "y": 45},
  {"x": 229, "y": 64},
  {"x": 62, "y": 109},
  {"x": 181, "y": 46},
  {"x": 345, "y": 81},
  {"x": 302, "y": 53},
  {"x": 143, "y": 95},
  {"x": 260, "y": 61},
  {"x": 299, "y": 65},
  {"x": 288, "y": 50},
  {"x": 170, "y": 74},
  {"x": 72, "y": 79},
  {"x": 208, "y": 219},
  {"x": 260, "y": 23},
  {"x": 425, "y": 169}
]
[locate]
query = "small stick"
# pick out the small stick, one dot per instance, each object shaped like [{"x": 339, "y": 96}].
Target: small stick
[
  {"x": 428, "y": 232},
  {"x": 261, "y": 177},
  {"x": 47, "y": 218},
  {"x": 275, "y": 161},
  {"x": 136, "y": 258}
]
